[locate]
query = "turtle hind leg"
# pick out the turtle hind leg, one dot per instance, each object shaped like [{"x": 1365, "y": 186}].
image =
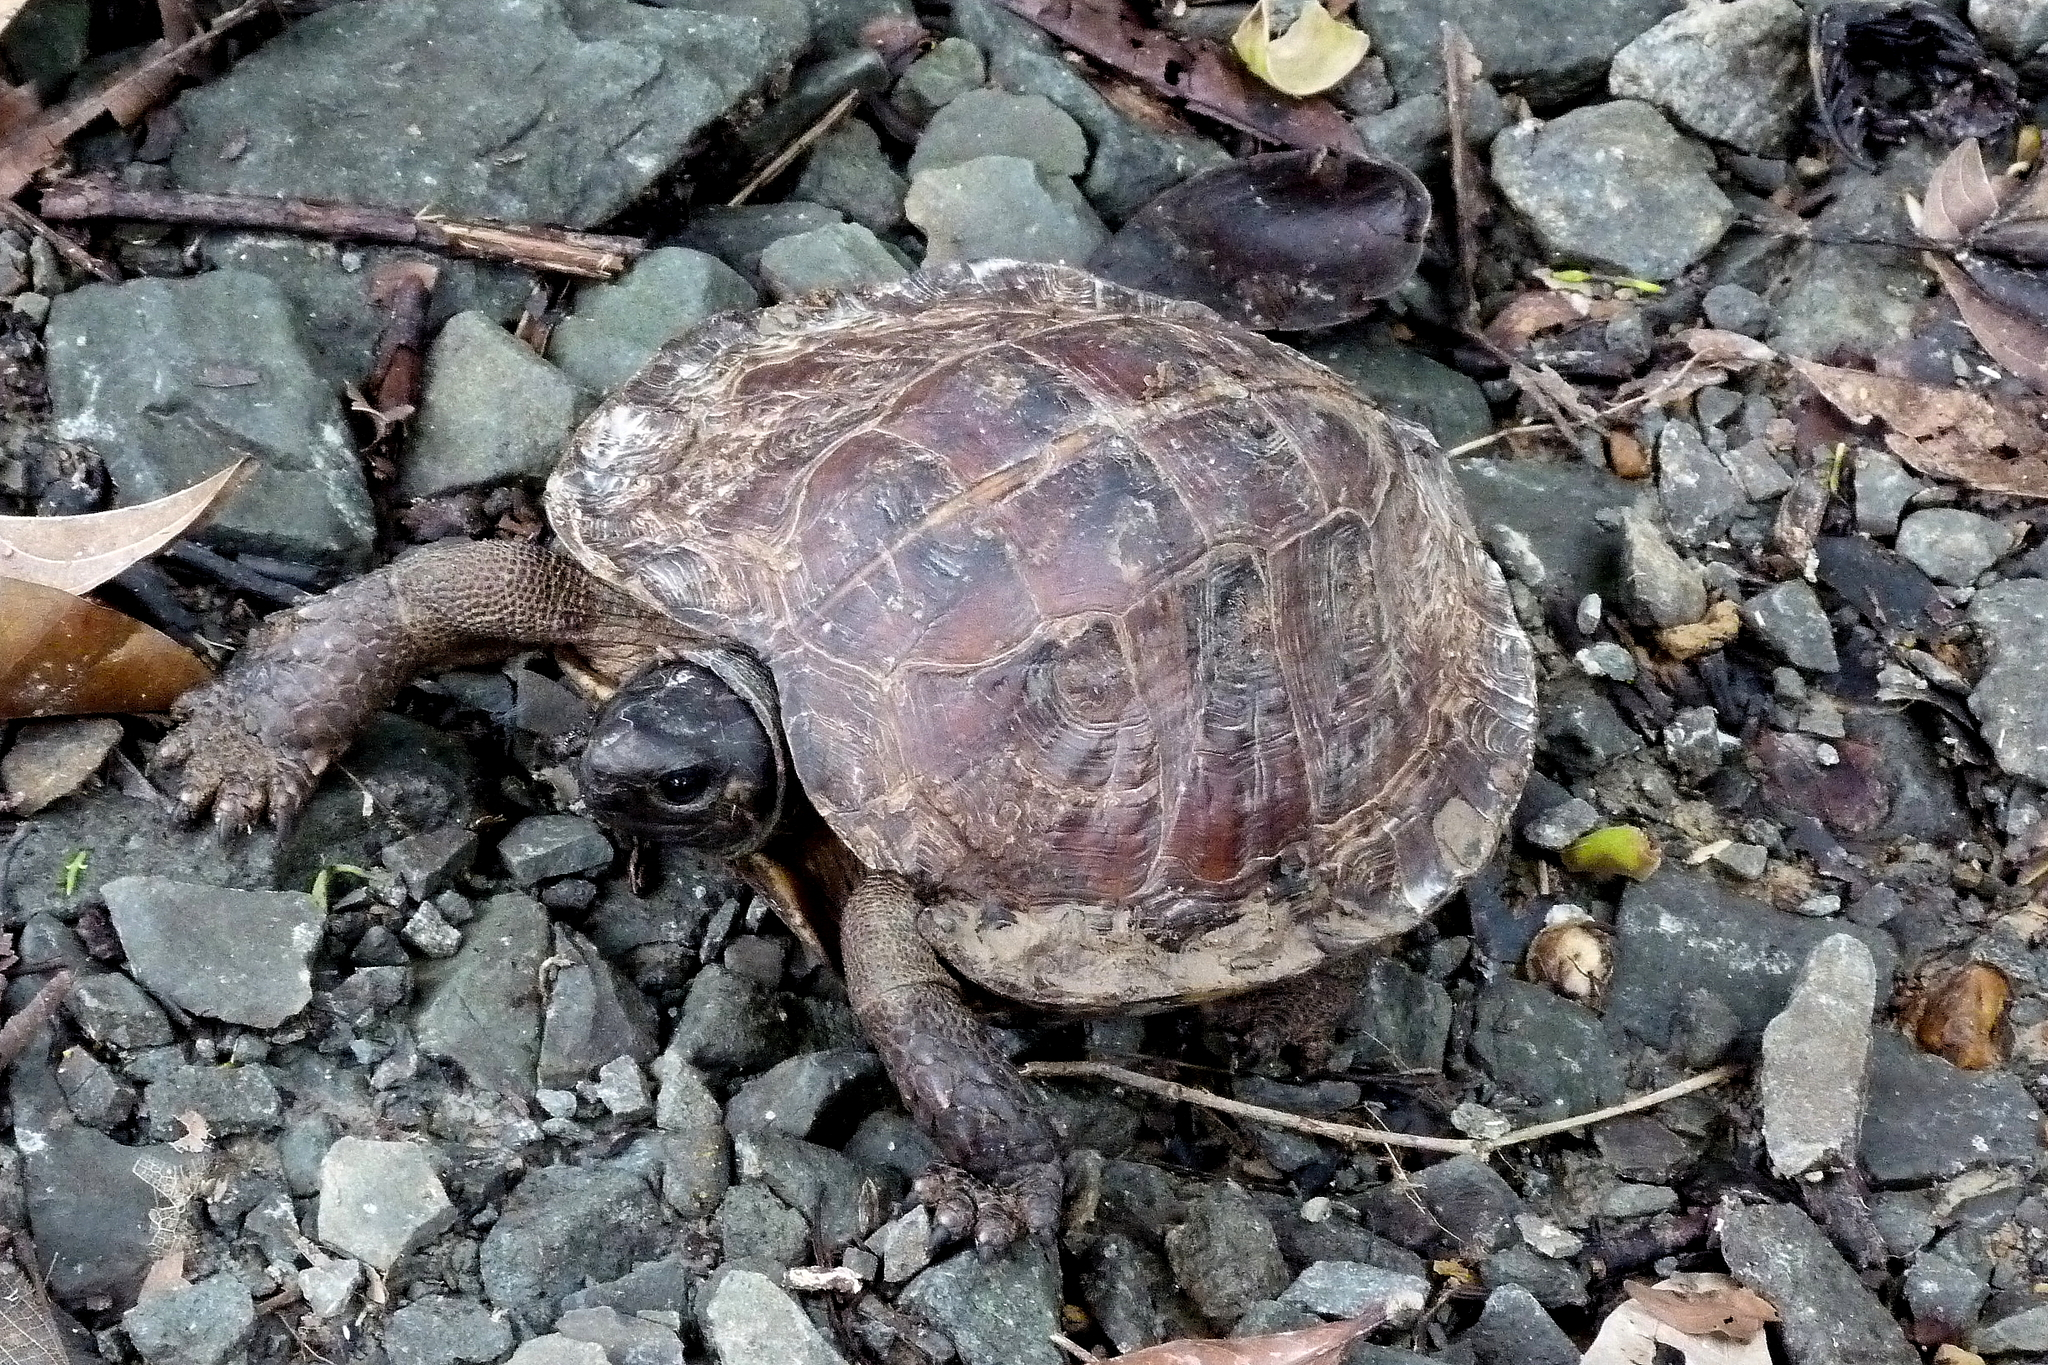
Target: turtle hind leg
[
  {"x": 254, "y": 741},
  {"x": 1007, "y": 1173},
  {"x": 1295, "y": 1021}
]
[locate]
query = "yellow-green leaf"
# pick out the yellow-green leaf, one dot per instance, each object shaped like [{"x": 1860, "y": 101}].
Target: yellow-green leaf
[
  {"x": 1616, "y": 851},
  {"x": 1314, "y": 54}
]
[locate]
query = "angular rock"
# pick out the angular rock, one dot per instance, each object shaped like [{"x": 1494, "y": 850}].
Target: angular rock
[
  {"x": 2011, "y": 698},
  {"x": 1790, "y": 620},
  {"x": 1550, "y": 508},
  {"x": 952, "y": 68},
  {"x": 796, "y": 1097},
  {"x": 996, "y": 123},
  {"x": 113, "y": 1011},
  {"x": 755, "y": 1226},
  {"x": 556, "y": 1349},
  {"x": 732, "y": 1024},
  {"x": 1001, "y": 207},
  {"x": 998, "y": 1312},
  {"x": 661, "y": 1286},
  {"x": 1562, "y": 824},
  {"x": 237, "y": 956},
  {"x": 1614, "y": 185},
  {"x": 2016, "y": 29},
  {"x": 748, "y": 1320},
  {"x": 1946, "y": 1297},
  {"x": 2025, "y": 1332},
  {"x": 492, "y": 410},
  {"x": 1542, "y": 1047},
  {"x": 1816, "y": 1060},
  {"x": 1345, "y": 1289},
  {"x": 1883, "y": 488},
  {"x": 1400, "y": 1021},
  {"x": 88, "y": 1213},
  {"x": 1928, "y": 1120},
  {"x": 1826, "y": 1315},
  {"x": 563, "y": 1225},
  {"x": 535, "y": 111},
  {"x": 446, "y": 1331},
  {"x": 847, "y": 170},
  {"x": 624, "y": 1340},
  {"x": 1756, "y": 470},
  {"x": 329, "y": 1288},
  {"x": 904, "y": 1244},
  {"x": 1513, "y": 1329},
  {"x": 208, "y": 1323},
  {"x": 1551, "y": 49},
  {"x": 50, "y": 759},
  {"x": 99, "y": 1097},
  {"x": 1695, "y": 487},
  {"x": 1952, "y": 546},
  {"x": 1224, "y": 1255},
  {"x": 481, "y": 1009},
  {"x": 1733, "y": 308},
  {"x": 231, "y": 1099},
  {"x": 842, "y": 256},
  {"x": 738, "y": 236},
  {"x": 593, "y": 1015},
  {"x": 380, "y": 1200},
  {"x": 616, "y": 327},
  {"x": 1664, "y": 588},
  {"x": 543, "y": 846},
  {"x": 164, "y": 379},
  {"x": 1461, "y": 1207},
  {"x": 1735, "y": 73}
]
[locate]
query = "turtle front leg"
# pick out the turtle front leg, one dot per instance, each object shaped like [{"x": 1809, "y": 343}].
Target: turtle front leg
[
  {"x": 254, "y": 741},
  {"x": 958, "y": 1086}
]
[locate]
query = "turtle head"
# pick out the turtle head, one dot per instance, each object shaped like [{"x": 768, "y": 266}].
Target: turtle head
[{"x": 688, "y": 751}]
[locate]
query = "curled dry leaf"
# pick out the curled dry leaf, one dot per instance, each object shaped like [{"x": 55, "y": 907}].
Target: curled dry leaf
[
  {"x": 1725, "y": 350},
  {"x": 1958, "y": 1017},
  {"x": 1281, "y": 242},
  {"x": 79, "y": 553},
  {"x": 1633, "y": 1335},
  {"x": 61, "y": 655},
  {"x": 1706, "y": 1305},
  {"x": 28, "y": 1330},
  {"x": 2010, "y": 336},
  {"x": 1322, "y": 1345},
  {"x": 1996, "y": 445},
  {"x": 1315, "y": 53},
  {"x": 1960, "y": 197},
  {"x": 1573, "y": 958}
]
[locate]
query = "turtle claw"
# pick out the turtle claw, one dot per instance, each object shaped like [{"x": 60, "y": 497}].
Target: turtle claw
[
  {"x": 994, "y": 1215},
  {"x": 213, "y": 759}
]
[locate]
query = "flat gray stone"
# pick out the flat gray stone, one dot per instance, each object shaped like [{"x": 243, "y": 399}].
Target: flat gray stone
[
  {"x": 997, "y": 1312},
  {"x": 1735, "y": 73},
  {"x": 380, "y": 1200},
  {"x": 169, "y": 380},
  {"x": 543, "y": 846},
  {"x": 556, "y": 1349},
  {"x": 112, "y": 1011},
  {"x": 1665, "y": 589},
  {"x": 1001, "y": 207},
  {"x": 1950, "y": 545},
  {"x": 842, "y": 256},
  {"x": 952, "y": 68},
  {"x": 593, "y": 1015},
  {"x": 622, "y": 1340},
  {"x": 1544, "y": 1048},
  {"x": 1345, "y": 1289},
  {"x": 1613, "y": 185},
  {"x": 446, "y": 1330},
  {"x": 237, "y": 956},
  {"x": 794, "y": 1097},
  {"x": 2011, "y": 698},
  {"x": 1827, "y": 1316},
  {"x": 848, "y": 171},
  {"x": 481, "y": 1008},
  {"x": 1790, "y": 620},
  {"x": 1883, "y": 488},
  {"x": 1552, "y": 49},
  {"x": 997, "y": 123},
  {"x": 208, "y": 1323},
  {"x": 537, "y": 111},
  {"x": 749, "y": 1320},
  {"x": 491, "y": 410},
  {"x": 231, "y": 1100},
  {"x": 564, "y": 1226},
  {"x": 50, "y": 759},
  {"x": 1698, "y": 493},
  {"x": 2025, "y": 1332},
  {"x": 329, "y": 1288},
  {"x": 1816, "y": 1060},
  {"x": 617, "y": 327},
  {"x": 1928, "y": 1120}
]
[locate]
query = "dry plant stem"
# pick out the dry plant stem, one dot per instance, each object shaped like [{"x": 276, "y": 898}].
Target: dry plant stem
[
  {"x": 65, "y": 247},
  {"x": 1354, "y": 1136},
  {"x": 1460, "y": 67},
  {"x": 825, "y": 124},
  {"x": 1611, "y": 410},
  {"x": 587, "y": 254},
  {"x": 32, "y": 1016}
]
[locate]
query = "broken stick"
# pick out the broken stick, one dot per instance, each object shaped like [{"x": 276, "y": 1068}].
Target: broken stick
[{"x": 589, "y": 255}]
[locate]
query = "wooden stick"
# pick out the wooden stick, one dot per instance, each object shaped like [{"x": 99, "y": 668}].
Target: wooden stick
[
  {"x": 587, "y": 254},
  {"x": 68, "y": 249},
  {"x": 780, "y": 162},
  {"x": 1353, "y": 1136},
  {"x": 32, "y": 1016}
]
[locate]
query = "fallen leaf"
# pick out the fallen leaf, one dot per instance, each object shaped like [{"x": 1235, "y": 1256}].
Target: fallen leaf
[
  {"x": 1960, "y": 196},
  {"x": 1840, "y": 781},
  {"x": 28, "y": 1329},
  {"x": 1718, "y": 629},
  {"x": 2014, "y": 340},
  {"x": 198, "y": 1133},
  {"x": 1957, "y": 1018},
  {"x": 1533, "y": 311},
  {"x": 61, "y": 655},
  {"x": 1283, "y": 242},
  {"x": 1704, "y": 1305},
  {"x": 1322, "y": 1345},
  {"x": 1725, "y": 350},
  {"x": 1616, "y": 851},
  {"x": 165, "y": 1273},
  {"x": 1948, "y": 433},
  {"x": 1632, "y": 1335},
  {"x": 2020, "y": 229},
  {"x": 79, "y": 553},
  {"x": 1315, "y": 53}
]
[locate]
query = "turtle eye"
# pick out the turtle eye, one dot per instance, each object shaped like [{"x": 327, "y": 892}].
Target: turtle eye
[{"x": 683, "y": 787}]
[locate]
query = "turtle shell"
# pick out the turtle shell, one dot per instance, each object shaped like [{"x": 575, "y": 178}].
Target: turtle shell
[{"x": 1167, "y": 664}]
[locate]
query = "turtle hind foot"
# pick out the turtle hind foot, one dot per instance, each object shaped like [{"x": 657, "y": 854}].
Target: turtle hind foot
[
  {"x": 214, "y": 758},
  {"x": 1025, "y": 1203}
]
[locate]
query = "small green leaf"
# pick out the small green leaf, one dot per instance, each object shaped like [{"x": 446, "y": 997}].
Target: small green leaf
[
  {"x": 74, "y": 868},
  {"x": 1315, "y": 53},
  {"x": 324, "y": 879},
  {"x": 1571, "y": 276},
  {"x": 1616, "y": 851}
]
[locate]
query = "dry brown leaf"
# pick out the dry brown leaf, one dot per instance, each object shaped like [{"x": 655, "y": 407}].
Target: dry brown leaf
[
  {"x": 1310, "y": 1346},
  {"x": 61, "y": 655},
  {"x": 81, "y": 552},
  {"x": 165, "y": 1273},
  {"x": 29, "y": 1334},
  {"x": 1533, "y": 311},
  {"x": 2020, "y": 230},
  {"x": 1705, "y": 1306},
  {"x": 1632, "y": 1335},
  {"x": 1947, "y": 433},
  {"x": 1960, "y": 196},
  {"x": 1958, "y": 1017},
  {"x": 198, "y": 1133},
  {"x": 2013, "y": 339},
  {"x": 1626, "y": 456},
  {"x": 1725, "y": 350},
  {"x": 1719, "y": 628}
]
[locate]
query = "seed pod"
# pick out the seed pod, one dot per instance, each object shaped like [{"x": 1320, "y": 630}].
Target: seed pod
[{"x": 1571, "y": 955}]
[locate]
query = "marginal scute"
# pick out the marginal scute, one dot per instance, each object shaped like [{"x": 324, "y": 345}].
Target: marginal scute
[{"x": 1168, "y": 663}]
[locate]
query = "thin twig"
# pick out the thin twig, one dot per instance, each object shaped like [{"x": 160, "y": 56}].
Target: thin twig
[
  {"x": 1074, "y": 1348},
  {"x": 1354, "y": 1136},
  {"x": 1614, "y": 409},
  {"x": 32, "y": 1016},
  {"x": 7, "y": 858},
  {"x": 65, "y": 247},
  {"x": 780, "y": 162},
  {"x": 1460, "y": 69}
]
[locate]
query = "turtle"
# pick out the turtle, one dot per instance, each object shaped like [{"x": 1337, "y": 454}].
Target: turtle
[{"x": 1028, "y": 636}]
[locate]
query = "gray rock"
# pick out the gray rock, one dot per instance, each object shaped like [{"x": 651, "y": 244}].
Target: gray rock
[
  {"x": 997, "y": 1312},
  {"x": 753, "y": 1225},
  {"x": 1549, "y": 509},
  {"x": 329, "y": 1288},
  {"x": 2016, "y": 29},
  {"x": 592, "y": 1016},
  {"x": 492, "y": 410},
  {"x": 816, "y": 1181},
  {"x": 1614, "y": 185},
  {"x": 1883, "y": 488},
  {"x": 99, "y": 1097},
  {"x": 1345, "y": 1289},
  {"x": 302, "y": 1146},
  {"x": 621, "y": 1087},
  {"x": 1735, "y": 73},
  {"x": 1665, "y": 589},
  {"x": 979, "y": 123},
  {"x": 481, "y": 1008},
  {"x": 564, "y": 1224},
  {"x": 1461, "y": 1207},
  {"x": 1001, "y": 207},
  {"x": 1224, "y": 1254},
  {"x": 952, "y": 68},
  {"x": 431, "y": 934},
  {"x": 732, "y": 1024},
  {"x": 528, "y": 110},
  {"x": 1696, "y": 489},
  {"x": 1928, "y": 1120},
  {"x": 1551, "y": 49},
  {"x": 749, "y": 1321},
  {"x": 1679, "y": 932},
  {"x": 231, "y": 1099},
  {"x": 1555, "y": 1284},
  {"x": 1755, "y": 469},
  {"x": 165, "y": 379},
  {"x": 1544, "y": 1048},
  {"x": 1582, "y": 727},
  {"x": 1733, "y": 308},
  {"x": 1133, "y": 161},
  {"x": 799, "y": 1096},
  {"x": 237, "y": 956},
  {"x": 543, "y": 846},
  {"x": 616, "y": 327},
  {"x": 1952, "y": 546},
  {"x": 842, "y": 256},
  {"x": 113, "y": 1011},
  {"x": 1562, "y": 824},
  {"x": 1946, "y": 1297},
  {"x": 1816, "y": 1060},
  {"x": 1790, "y": 620},
  {"x": 904, "y": 1244},
  {"x": 446, "y": 1331},
  {"x": 738, "y": 236},
  {"x": 847, "y": 171},
  {"x": 1694, "y": 743},
  {"x": 556, "y": 1349},
  {"x": 50, "y": 759},
  {"x": 1129, "y": 1291},
  {"x": 429, "y": 863},
  {"x": 208, "y": 1323},
  {"x": 1406, "y": 383},
  {"x": 1513, "y": 1329},
  {"x": 661, "y": 1286},
  {"x": 1833, "y": 296},
  {"x": 1416, "y": 132},
  {"x": 623, "y": 1340},
  {"x": 2011, "y": 698},
  {"x": 380, "y": 1200},
  {"x": 1270, "y": 1316},
  {"x": 1400, "y": 1021},
  {"x": 2025, "y": 1332},
  {"x": 1826, "y": 1315}
]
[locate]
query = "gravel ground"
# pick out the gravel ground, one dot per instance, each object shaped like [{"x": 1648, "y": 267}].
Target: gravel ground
[{"x": 446, "y": 1074}]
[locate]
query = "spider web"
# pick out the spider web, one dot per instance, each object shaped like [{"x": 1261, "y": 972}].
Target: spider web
[{"x": 28, "y": 1335}]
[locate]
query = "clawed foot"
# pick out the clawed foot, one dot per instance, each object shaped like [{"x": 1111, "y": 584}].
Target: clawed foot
[
  {"x": 1026, "y": 1203},
  {"x": 219, "y": 757}
]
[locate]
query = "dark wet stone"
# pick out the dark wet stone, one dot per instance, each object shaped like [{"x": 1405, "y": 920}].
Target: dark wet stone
[
  {"x": 625, "y": 1340},
  {"x": 1406, "y": 383},
  {"x": 563, "y": 1225},
  {"x": 1582, "y": 728},
  {"x": 1551, "y": 49},
  {"x": 593, "y": 1015},
  {"x": 429, "y": 863},
  {"x": 1130, "y": 1293},
  {"x": 1927, "y": 1120},
  {"x": 1555, "y": 1284},
  {"x": 1400, "y": 1021},
  {"x": 240, "y": 956},
  {"x": 1461, "y": 1207},
  {"x": 1827, "y": 1315},
  {"x": 113, "y": 1011},
  {"x": 754, "y": 1225},
  {"x": 661, "y": 1286},
  {"x": 207, "y": 1323},
  {"x": 797, "y": 1098},
  {"x": 1536, "y": 1044},
  {"x": 543, "y": 846},
  {"x": 1638, "y": 1147},
  {"x": 1513, "y": 1329},
  {"x": 1224, "y": 1254},
  {"x": 481, "y": 1009},
  {"x": 733, "y": 1024},
  {"x": 446, "y": 1330},
  {"x": 997, "y": 1312},
  {"x": 232, "y": 1099},
  {"x": 1551, "y": 508},
  {"x": 815, "y": 1181}
]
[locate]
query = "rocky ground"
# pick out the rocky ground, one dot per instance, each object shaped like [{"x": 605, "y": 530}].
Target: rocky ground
[{"x": 445, "y": 1075}]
